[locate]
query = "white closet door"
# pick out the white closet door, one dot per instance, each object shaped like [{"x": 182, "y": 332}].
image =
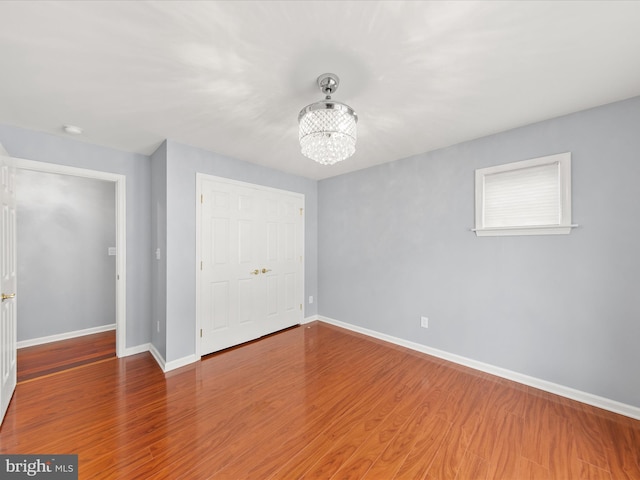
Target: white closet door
[{"x": 250, "y": 277}]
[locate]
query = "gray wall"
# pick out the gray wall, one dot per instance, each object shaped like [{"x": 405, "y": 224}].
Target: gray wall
[
  {"x": 159, "y": 242},
  {"x": 44, "y": 147},
  {"x": 394, "y": 244},
  {"x": 182, "y": 164},
  {"x": 66, "y": 279}
]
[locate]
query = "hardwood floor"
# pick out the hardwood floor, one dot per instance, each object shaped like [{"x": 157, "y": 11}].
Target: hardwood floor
[
  {"x": 314, "y": 402},
  {"x": 41, "y": 360}
]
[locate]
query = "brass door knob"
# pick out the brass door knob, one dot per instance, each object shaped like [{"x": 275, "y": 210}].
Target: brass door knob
[
  {"x": 254, "y": 272},
  {"x": 7, "y": 297},
  {"x": 265, "y": 270}
]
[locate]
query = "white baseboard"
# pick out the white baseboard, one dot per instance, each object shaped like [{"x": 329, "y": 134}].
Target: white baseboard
[
  {"x": 584, "y": 397},
  {"x": 310, "y": 319},
  {"x": 156, "y": 355},
  {"x": 65, "y": 336},
  {"x": 181, "y": 362},
  {"x": 173, "y": 364},
  {"x": 136, "y": 350}
]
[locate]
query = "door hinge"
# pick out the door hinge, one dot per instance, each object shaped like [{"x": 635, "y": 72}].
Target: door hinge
[
  {"x": 200, "y": 333},
  {"x": 300, "y": 306},
  {"x": 201, "y": 198},
  {"x": 301, "y": 210},
  {"x": 200, "y": 264}
]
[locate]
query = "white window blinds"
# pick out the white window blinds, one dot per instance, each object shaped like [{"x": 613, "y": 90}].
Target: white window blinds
[
  {"x": 523, "y": 197},
  {"x": 531, "y": 197}
]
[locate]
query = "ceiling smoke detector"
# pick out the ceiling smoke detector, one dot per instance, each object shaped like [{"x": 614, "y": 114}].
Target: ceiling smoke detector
[{"x": 72, "y": 129}]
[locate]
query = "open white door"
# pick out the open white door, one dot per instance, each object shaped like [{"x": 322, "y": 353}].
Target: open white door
[{"x": 8, "y": 275}]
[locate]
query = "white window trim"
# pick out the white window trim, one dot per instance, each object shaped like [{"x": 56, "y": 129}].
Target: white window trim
[{"x": 563, "y": 227}]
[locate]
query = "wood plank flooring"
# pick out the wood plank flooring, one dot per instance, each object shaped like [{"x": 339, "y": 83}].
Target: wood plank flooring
[
  {"x": 315, "y": 402},
  {"x": 41, "y": 360}
]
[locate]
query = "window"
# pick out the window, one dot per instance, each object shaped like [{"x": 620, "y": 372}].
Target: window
[{"x": 531, "y": 197}]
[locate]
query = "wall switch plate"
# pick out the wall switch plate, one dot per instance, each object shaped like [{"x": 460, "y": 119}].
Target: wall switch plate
[
  {"x": 424, "y": 322},
  {"x": 310, "y": 299}
]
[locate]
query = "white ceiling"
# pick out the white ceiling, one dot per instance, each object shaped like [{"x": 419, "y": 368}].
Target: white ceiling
[{"x": 231, "y": 77}]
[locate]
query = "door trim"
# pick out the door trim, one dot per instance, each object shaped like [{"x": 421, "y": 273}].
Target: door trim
[
  {"x": 121, "y": 235},
  {"x": 199, "y": 179}
]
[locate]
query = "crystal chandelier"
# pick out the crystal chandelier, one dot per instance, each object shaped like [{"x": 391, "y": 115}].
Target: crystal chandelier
[{"x": 327, "y": 128}]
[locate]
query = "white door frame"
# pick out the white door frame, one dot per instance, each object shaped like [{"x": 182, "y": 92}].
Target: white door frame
[
  {"x": 199, "y": 179},
  {"x": 121, "y": 236}
]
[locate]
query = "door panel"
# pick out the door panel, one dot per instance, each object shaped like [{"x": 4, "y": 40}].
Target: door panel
[
  {"x": 250, "y": 240},
  {"x": 246, "y": 294},
  {"x": 8, "y": 277},
  {"x": 220, "y": 243},
  {"x": 228, "y": 288},
  {"x": 220, "y": 305},
  {"x": 272, "y": 242},
  {"x": 272, "y": 295},
  {"x": 289, "y": 291}
]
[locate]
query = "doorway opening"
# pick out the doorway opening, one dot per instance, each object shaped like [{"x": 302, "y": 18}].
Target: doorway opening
[{"x": 111, "y": 266}]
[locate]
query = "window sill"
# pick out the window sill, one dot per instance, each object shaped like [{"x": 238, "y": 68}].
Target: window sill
[{"x": 533, "y": 230}]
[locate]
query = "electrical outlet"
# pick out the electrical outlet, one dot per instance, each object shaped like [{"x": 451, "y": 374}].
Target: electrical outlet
[
  {"x": 310, "y": 299},
  {"x": 158, "y": 326},
  {"x": 424, "y": 322}
]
